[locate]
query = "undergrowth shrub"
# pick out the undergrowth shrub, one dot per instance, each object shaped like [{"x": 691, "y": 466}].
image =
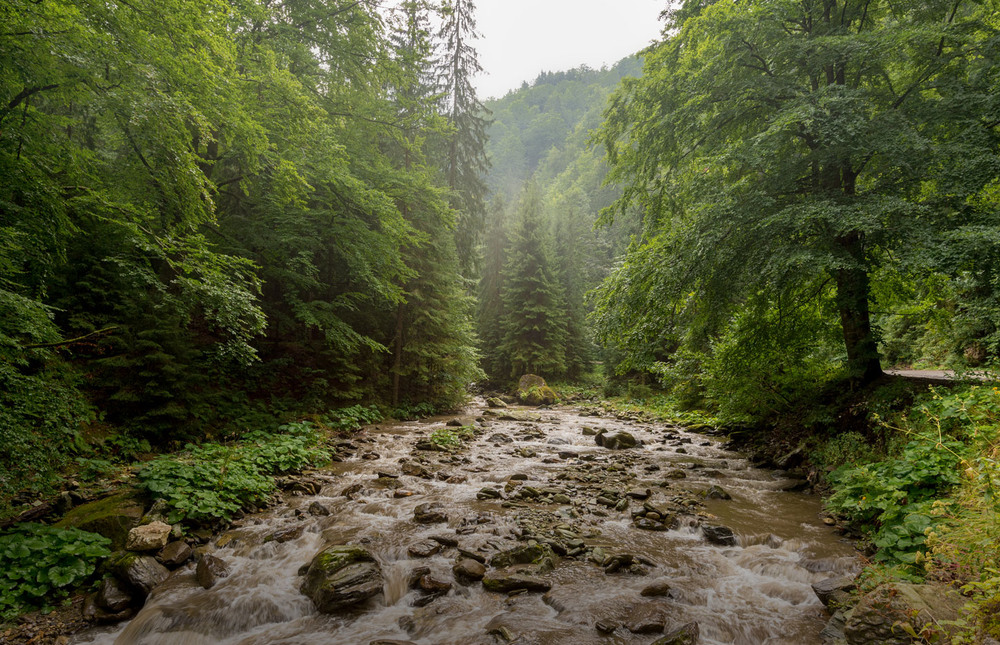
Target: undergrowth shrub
[
  {"x": 41, "y": 564},
  {"x": 212, "y": 482}
]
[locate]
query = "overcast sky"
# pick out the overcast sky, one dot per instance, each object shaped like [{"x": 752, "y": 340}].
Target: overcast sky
[{"x": 521, "y": 38}]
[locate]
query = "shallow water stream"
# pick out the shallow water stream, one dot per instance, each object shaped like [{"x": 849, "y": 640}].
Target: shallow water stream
[{"x": 757, "y": 592}]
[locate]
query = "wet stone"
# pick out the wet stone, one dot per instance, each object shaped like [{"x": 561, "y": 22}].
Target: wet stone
[
  {"x": 423, "y": 549},
  {"x": 341, "y": 577},
  {"x": 720, "y": 535},
  {"x": 647, "y": 524},
  {"x": 210, "y": 570},
  {"x": 468, "y": 570},
  {"x": 174, "y": 554},
  {"x": 488, "y": 493},
  {"x": 432, "y": 513},
  {"x": 111, "y": 597},
  {"x": 505, "y": 582},
  {"x": 286, "y": 534},
  {"x": 688, "y": 634},
  {"x": 656, "y": 590},
  {"x": 445, "y": 540},
  {"x": 716, "y": 492},
  {"x": 319, "y": 510}
]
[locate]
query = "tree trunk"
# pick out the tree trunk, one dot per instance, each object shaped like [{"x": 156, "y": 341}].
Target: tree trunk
[
  {"x": 863, "y": 360},
  {"x": 398, "y": 358}
]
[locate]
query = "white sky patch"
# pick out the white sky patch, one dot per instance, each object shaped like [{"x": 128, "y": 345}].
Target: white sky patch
[{"x": 521, "y": 38}]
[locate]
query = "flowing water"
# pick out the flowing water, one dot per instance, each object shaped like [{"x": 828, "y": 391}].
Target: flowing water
[{"x": 755, "y": 593}]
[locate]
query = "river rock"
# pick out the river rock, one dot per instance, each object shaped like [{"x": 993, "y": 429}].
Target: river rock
[
  {"x": 383, "y": 641},
  {"x": 716, "y": 492},
  {"x": 687, "y": 635},
  {"x": 342, "y": 576},
  {"x": 876, "y": 616},
  {"x": 431, "y": 513},
  {"x": 617, "y": 441},
  {"x": 148, "y": 537},
  {"x": 111, "y": 597},
  {"x": 506, "y": 581},
  {"x": 113, "y": 517},
  {"x": 468, "y": 571},
  {"x": 174, "y": 554},
  {"x": 721, "y": 535},
  {"x": 318, "y": 509},
  {"x": 539, "y": 556},
  {"x": 657, "y": 589},
  {"x": 495, "y": 403},
  {"x": 646, "y": 620},
  {"x": 94, "y": 613},
  {"x": 210, "y": 570},
  {"x": 834, "y": 589},
  {"x": 423, "y": 549},
  {"x": 416, "y": 470},
  {"x": 140, "y": 573}
]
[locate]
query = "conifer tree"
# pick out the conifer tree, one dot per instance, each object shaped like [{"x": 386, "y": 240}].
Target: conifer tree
[
  {"x": 491, "y": 309},
  {"x": 464, "y": 155},
  {"x": 433, "y": 345},
  {"x": 534, "y": 320}
]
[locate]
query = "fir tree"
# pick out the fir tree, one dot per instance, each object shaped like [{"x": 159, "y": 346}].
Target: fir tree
[
  {"x": 464, "y": 158},
  {"x": 534, "y": 320}
]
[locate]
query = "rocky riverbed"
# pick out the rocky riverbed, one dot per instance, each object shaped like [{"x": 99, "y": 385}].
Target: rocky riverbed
[{"x": 549, "y": 526}]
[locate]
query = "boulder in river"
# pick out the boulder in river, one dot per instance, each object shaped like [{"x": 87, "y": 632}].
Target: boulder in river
[
  {"x": 431, "y": 513},
  {"x": 495, "y": 403},
  {"x": 533, "y": 390},
  {"x": 468, "y": 570},
  {"x": 878, "y": 615},
  {"x": 342, "y": 576},
  {"x": 174, "y": 554},
  {"x": 506, "y": 581},
  {"x": 210, "y": 570},
  {"x": 617, "y": 441},
  {"x": 539, "y": 556},
  {"x": 139, "y": 573},
  {"x": 721, "y": 535}
]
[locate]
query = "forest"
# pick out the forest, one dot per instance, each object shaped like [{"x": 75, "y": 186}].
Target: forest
[{"x": 241, "y": 231}]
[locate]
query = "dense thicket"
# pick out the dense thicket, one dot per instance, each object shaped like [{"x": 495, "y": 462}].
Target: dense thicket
[
  {"x": 804, "y": 172},
  {"x": 212, "y": 210}
]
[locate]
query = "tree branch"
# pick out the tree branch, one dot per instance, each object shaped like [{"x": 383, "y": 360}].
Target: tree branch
[{"x": 71, "y": 341}]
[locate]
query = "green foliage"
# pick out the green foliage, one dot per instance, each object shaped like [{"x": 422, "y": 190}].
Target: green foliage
[
  {"x": 892, "y": 499},
  {"x": 210, "y": 483},
  {"x": 451, "y": 438},
  {"x": 352, "y": 418},
  {"x": 786, "y": 153},
  {"x": 40, "y": 564}
]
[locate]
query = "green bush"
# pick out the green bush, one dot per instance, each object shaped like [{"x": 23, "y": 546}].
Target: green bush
[
  {"x": 892, "y": 499},
  {"x": 353, "y": 417},
  {"x": 40, "y": 564},
  {"x": 212, "y": 482}
]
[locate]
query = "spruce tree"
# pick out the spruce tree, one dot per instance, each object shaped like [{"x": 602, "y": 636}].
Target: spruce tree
[
  {"x": 433, "y": 346},
  {"x": 491, "y": 308},
  {"x": 534, "y": 320},
  {"x": 464, "y": 159}
]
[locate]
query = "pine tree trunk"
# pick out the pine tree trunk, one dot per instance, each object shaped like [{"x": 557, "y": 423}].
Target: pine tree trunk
[{"x": 863, "y": 360}]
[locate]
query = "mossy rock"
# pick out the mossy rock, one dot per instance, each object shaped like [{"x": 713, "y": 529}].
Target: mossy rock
[
  {"x": 113, "y": 517},
  {"x": 340, "y": 577},
  {"x": 532, "y": 390}
]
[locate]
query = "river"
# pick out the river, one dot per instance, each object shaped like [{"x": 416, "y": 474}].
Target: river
[{"x": 754, "y": 592}]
